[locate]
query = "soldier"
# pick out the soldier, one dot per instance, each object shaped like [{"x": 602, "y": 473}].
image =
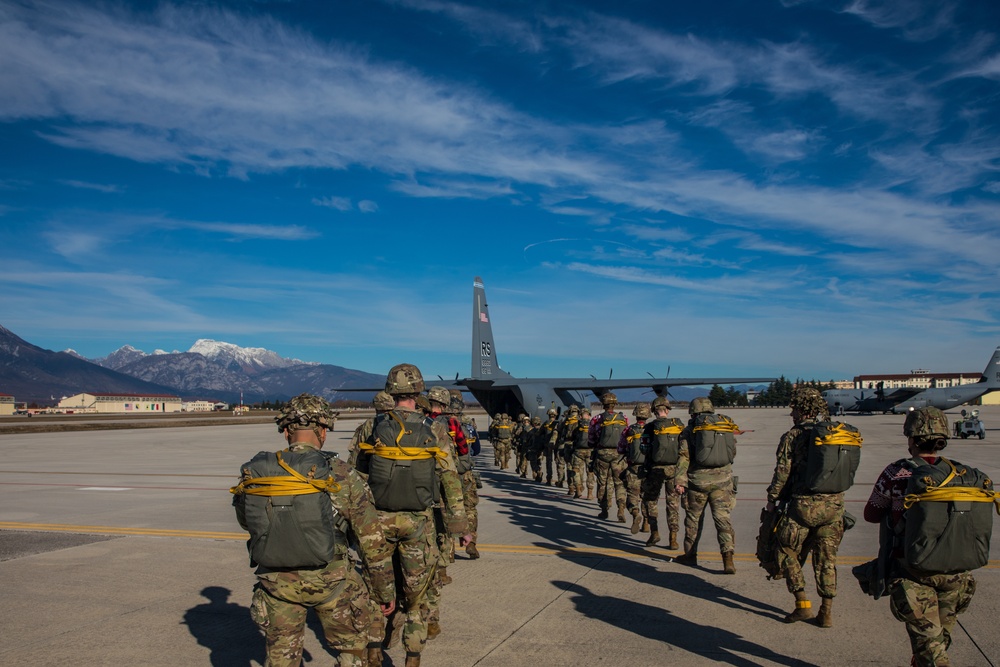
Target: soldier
[
  {"x": 583, "y": 475},
  {"x": 813, "y": 521},
  {"x": 524, "y": 437},
  {"x": 406, "y": 495},
  {"x": 605, "y": 431},
  {"x": 564, "y": 450},
  {"x": 503, "y": 429},
  {"x": 711, "y": 445},
  {"x": 382, "y": 403},
  {"x": 927, "y": 603},
  {"x": 548, "y": 436},
  {"x": 630, "y": 446},
  {"x": 536, "y": 442},
  {"x": 466, "y": 470},
  {"x": 291, "y": 577},
  {"x": 666, "y": 463}
]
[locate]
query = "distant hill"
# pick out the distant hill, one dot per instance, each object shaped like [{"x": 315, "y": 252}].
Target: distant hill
[{"x": 33, "y": 374}]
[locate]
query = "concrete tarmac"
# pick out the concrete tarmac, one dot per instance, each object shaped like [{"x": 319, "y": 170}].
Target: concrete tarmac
[{"x": 121, "y": 547}]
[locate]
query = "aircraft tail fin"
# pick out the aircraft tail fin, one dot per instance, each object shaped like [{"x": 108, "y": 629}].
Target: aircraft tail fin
[
  {"x": 484, "y": 354},
  {"x": 992, "y": 373}
]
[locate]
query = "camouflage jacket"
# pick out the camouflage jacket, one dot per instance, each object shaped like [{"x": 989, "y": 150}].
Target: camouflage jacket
[
  {"x": 353, "y": 501},
  {"x": 451, "y": 484},
  {"x": 361, "y": 434}
]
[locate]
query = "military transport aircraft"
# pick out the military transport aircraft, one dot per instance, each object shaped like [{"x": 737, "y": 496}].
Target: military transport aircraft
[
  {"x": 903, "y": 399},
  {"x": 498, "y": 391}
]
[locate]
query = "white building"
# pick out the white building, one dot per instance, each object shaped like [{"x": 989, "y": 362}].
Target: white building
[
  {"x": 6, "y": 405},
  {"x": 200, "y": 406},
  {"x": 120, "y": 403}
]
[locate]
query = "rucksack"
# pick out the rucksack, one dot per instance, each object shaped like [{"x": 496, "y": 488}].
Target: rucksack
[
  {"x": 402, "y": 469},
  {"x": 714, "y": 440},
  {"x": 611, "y": 431},
  {"x": 767, "y": 542},
  {"x": 283, "y": 501},
  {"x": 661, "y": 441},
  {"x": 633, "y": 436},
  {"x": 948, "y": 518},
  {"x": 834, "y": 452}
]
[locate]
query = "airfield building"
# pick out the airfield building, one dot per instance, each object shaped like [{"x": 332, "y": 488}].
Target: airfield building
[
  {"x": 6, "y": 405},
  {"x": 120, "y": 403},
  {"x": 918, "y": 379}
]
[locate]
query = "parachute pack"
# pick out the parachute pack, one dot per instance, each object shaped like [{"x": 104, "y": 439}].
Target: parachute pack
[
  {"x": 833, "y": 457},
  {"x": 662, "y": 442},
  {"x": 611, "y": 431},
  {"x": 402, "y": 468},
  {"x": 949, "y": 517},
  {"x": 714, "y": 440},
  {"x": 636, "y": 452},
  {"x": 283, "y": 501}
]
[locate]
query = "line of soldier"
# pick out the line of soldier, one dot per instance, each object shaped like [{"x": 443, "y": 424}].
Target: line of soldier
[{"x": 406, "y": 493}]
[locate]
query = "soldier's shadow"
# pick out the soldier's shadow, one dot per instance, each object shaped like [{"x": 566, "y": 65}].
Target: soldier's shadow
[
  {"x": 710, "y": 642},
  {"x": 225, "y": 629}
]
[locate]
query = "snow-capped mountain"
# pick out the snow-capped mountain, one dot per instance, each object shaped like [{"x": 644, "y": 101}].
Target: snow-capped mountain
[
  {"x": 250, "y": 360},
  {"x": 120, "y": 357}
]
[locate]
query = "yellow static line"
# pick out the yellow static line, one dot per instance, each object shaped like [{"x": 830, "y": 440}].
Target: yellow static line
[{"x": 709, "y": 556}]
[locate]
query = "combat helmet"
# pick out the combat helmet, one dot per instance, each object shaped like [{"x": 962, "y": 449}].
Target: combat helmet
[
  {"x": 642, "y": 411},
  {"x": 552, "y": 412},
  {"x": 809, "y": 402},
  {"x": 404, "y": 379},
  {"x": 926, "y": 424},
  {"x": 536, "y": 421},
  {"x": 305, "y": 411},
  {"x": 660, "y": 402},
  {"x": 700, "y": 405},
  {"x": 423, "y": 403},
  {"x": 609, "y": 398},
  {"x": 456, "y": 404},
  {"x": 573, "y": 409},
  {"x": 438, "y": 394},
  {"x": 383, "y": 401}
]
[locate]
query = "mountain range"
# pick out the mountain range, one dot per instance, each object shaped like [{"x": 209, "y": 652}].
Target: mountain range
[{"x": 209, "y": 369}]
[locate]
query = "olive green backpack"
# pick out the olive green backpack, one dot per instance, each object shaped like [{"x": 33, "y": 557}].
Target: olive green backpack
[{"x": 833, "y": 457}]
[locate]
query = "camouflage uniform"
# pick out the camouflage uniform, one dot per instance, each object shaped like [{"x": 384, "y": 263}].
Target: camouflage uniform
[
  {"x": 336, "y": 591},
  {"x": 502, "y": 432},
  {"x": 634, "y": 471},
  {"x": 363, "y": 432},
  {"x": 548, "y": 436},
  {"x": 813, "y": 523},
  {"x": 608, "y": 463},
  {"x": 564, "y": 447},
  {"x": 663, "y": 476},
  {"x": 583, "y": 475},
  {"x": 524, "y": 437},
  {"x": 706, "y": 486}
]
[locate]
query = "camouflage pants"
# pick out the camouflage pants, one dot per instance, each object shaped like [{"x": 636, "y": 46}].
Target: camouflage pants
[
  {"x": 633, "y": 486},
  {"x": 812, "y": 525},
  {"x": 501, "y": 453},
  {"x": 521, "y": 462},
  {"x": 582, "y": 478},
  {"x": 929, "y": 606},
  {"x": 416, "y": 557},
  {"x": 657, "y": 478},
  {"x": 535, "y": 459},
  {"x": 560, "y": 455},
  {"x": 608, "y": 468},
  {"x": 281, "y": 601},
  {"x": 471, "y": 497},
  {"x": 718, "y": 493}
]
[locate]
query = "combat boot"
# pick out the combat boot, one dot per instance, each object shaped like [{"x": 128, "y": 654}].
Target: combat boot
[
  {"x": 825, "y": 617},
  {"x": 443, "y": 576},
  {"x": 803, "y": 609},
  {"x": 433, "y": 630},
  {"x": 603, "y": 514},
  {"x": 728, "y": 566},
  {"x": 559, "y": 485},
  {"x": 673, "y": 541},
  {"x": 636, "y": 522},
  {"x": 577, "y": 494},
  {"x": 654, "y": 538},
  {"x": 471, "y": 549},
  {"x": 412, "y": 660},
  {"x": 621, "y": 515},
  {"x": 374, "y": 656},
  {"x": 687, "y": 558},
  {"x": 645, "y": 526}
]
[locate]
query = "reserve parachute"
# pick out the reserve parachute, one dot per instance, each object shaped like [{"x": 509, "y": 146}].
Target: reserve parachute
[
  {"x": 833, "y": 457},
  {"x": 402, "y": 463},
  {"x": 662, "y": 442},
  {"x": 713, "y": 440}
]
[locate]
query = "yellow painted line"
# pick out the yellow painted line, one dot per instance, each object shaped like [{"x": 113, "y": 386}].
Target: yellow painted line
[{"x": 532, "y": 550}]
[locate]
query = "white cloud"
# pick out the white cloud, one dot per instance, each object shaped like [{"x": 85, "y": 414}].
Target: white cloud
[
  {"x": 367, "y": 206},
  {"x": 99, "y": 187},
  {"x": 339, "y": 203}
]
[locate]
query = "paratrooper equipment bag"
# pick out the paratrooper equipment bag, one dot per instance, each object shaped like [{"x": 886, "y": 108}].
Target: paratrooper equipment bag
[
  {"x": 833, "y": 457},
  {"x": 402, "y": 472},
  {"x": 283, "y": 501},
  {"x": 767, "y": 541},
  {"x": 611, "y": 431},
  {"x": 662, "y": 441},
  {"x": 633, "y": 438},
  {"x": 714, "y": 441},
  {"x": 581, "y": 436},
  {"x": 948, "y": 518}
]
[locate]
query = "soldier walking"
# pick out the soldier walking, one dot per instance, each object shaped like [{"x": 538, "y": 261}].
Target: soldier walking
[
  {"x": 583, "y": 474},
  {"x": 605, "y": 431},
  {"x": 666, "y": 463},
  {"x": 630, "y": 445}
]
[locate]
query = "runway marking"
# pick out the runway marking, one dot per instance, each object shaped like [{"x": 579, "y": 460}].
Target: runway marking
[
  {"x": 528, "y": 550},
  {"x": 105, "y": 488}
]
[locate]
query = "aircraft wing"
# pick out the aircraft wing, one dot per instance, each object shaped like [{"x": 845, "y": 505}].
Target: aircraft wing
[
  {"x": 901, "y": 393},
  {"x": 593, "y": 384}
]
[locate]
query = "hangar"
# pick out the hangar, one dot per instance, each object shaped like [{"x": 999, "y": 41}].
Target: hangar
[
  {"x": 120, "y": 403},
  {"x": 6, "y": 405}
]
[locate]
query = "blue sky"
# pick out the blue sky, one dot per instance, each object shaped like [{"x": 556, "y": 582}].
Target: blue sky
[{"x": 800, "y": 187}]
